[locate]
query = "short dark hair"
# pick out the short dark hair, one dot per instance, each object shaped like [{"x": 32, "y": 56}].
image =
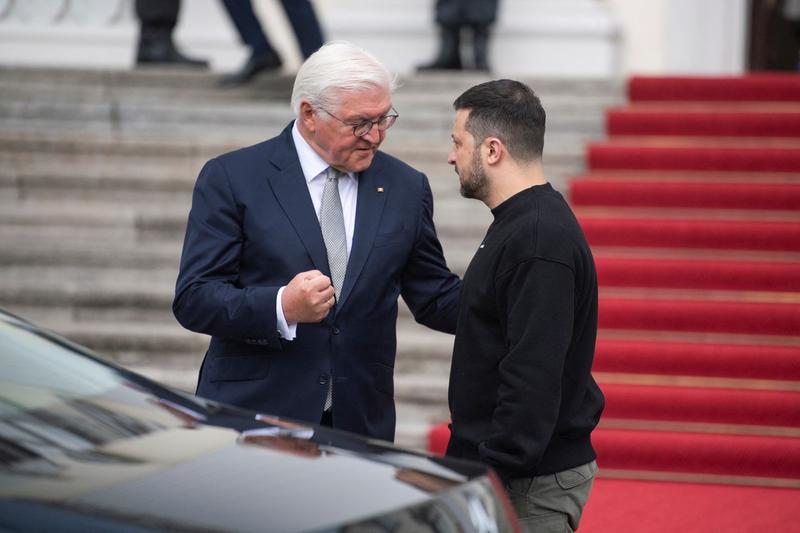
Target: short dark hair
[{"x": 508, "y": 110}]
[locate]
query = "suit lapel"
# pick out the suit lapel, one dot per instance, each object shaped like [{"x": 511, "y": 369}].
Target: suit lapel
[
  {"x": 369, "y": 209},
  {"x": 291, "y": 191}
]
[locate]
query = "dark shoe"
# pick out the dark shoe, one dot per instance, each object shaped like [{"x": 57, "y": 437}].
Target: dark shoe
[
  {"x": 255, "y": 64},
  {"x": 164, "y": 52},
  {"x": 480, "y": 48},
  {"x": 449, "y": 57}
]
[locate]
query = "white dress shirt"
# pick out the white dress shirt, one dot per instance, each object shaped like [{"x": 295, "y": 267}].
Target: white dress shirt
[{"x": 314, "y": 170}]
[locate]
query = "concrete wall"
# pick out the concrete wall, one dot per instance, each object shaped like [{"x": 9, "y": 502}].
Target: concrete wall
[{"x": 683, "y": 36}]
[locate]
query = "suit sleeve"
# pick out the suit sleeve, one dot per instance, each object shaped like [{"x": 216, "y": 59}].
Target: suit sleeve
[
  {"x": 429, "y": 289},
  {"x": 536, "y": 299},
  {"x": 208, "y": 296}
]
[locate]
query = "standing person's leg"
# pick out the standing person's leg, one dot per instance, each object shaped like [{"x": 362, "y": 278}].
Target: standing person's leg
[
  {"x": 262, "y": 55},
  {"x": 480, "y": 47},
  {"x": 157, "y": 20},
  {"x": 449, "y": 18},
  {"x": 305, "y": 24},
  {"x": 480, "y": 15},
  {"x": 247, "y": 24},
  {"x": 552, "y": 503}
]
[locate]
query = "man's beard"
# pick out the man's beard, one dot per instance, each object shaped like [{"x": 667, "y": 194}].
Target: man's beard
[{"x": 474, "y": 183}]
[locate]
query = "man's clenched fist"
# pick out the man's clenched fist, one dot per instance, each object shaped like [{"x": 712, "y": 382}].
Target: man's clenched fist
[{"x": 308, "y": 297}]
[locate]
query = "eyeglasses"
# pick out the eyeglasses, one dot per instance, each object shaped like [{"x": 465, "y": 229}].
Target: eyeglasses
[{"x": 365, "y": 126}]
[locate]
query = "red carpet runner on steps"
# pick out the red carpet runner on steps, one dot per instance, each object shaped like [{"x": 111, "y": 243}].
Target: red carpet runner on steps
[{"x": 692, "y": 207}]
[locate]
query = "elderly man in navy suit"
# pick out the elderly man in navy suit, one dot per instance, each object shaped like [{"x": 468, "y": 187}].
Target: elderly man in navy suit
[{"x": 297, "y": 250}]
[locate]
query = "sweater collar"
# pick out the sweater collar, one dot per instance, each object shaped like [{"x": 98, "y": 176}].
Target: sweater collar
[{"x": 520, "y": 201}]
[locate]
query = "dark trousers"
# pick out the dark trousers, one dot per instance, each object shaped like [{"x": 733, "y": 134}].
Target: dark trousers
[
  {"x": 157, "y": 18},
  {"x": 300, "y": 14},
  {"x": 457, "y": 13}
]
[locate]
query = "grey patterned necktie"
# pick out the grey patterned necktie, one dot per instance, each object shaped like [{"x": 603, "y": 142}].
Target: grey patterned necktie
[{"x": 331, "y": 220}]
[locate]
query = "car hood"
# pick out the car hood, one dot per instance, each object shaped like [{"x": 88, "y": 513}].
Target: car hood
[{"x": 126, "y": 453}]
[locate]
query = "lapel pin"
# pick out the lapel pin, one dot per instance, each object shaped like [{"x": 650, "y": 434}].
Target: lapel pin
[{"x": 380, "y": 189}]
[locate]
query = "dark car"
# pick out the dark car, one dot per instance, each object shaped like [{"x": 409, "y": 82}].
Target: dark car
[{"x": 88, "y": 446}]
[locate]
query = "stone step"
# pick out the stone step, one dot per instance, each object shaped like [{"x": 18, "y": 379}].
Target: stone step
[
  {"x": 112, "y": 337},
  {"x": 412, "y": 435},
  {"x": 454, "y": 215},
  {"x": 56, "y": 250},
  {"x": 131, "y": 181},
  {"x": 181, "y": 84},
  {"x": 34, "y": 161},
  {"x": 246, "y": 119},
  {"x": 66, "y": 252},
  {"x": 421, "y": 389},
  {"x": 52, "y": 145},
  {"x": 94, "y": 221},
  {"x": 46, "y": 217},
  {"x": 103, "y": 295},
  {"x": 19, "y": 146},
  {"x": 66, "y": 102},
  {"x": 163, "y": 82}
]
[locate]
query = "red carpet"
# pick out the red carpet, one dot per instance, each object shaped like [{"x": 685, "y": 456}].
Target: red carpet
[
  {"x": 692, "y": 206},
  {"x": 783, "y": 276},
  {"x": 698, "y": 453},
  {"x": 742, "y": 361},
  {"x": 619, "y": 505},
  {"x": 703, "y": 404},
  {"x": 686, "y": 194},
  {"x": 688, "y": 156},
  {"x": 752, "y": 88},
  {"x": 692, "y": 233},
  {"x": 694, "y": 122},
  {"x": 741, "y": 317}
]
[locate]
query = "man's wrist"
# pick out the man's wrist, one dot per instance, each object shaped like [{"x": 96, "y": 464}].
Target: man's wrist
[{"x": 286, "y": 330}]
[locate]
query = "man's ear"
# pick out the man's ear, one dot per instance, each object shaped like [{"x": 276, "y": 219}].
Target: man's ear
[
  {"x": 494, "y": 150},
  {"x": 308, "y": 117}
]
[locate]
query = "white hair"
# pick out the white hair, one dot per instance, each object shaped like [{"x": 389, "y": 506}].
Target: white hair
[{"x": 338, "y": 66}]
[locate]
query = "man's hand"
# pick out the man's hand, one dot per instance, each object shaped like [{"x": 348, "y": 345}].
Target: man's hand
[{"x": 308, "y": 297}]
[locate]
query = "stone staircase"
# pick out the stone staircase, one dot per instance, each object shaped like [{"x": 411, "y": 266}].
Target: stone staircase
[{"x": 96, "y": 172}]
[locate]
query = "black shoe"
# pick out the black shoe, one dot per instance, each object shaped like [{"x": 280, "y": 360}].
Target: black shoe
[
  {"x": 441, "y": 64},
  {"x": 164, "y": 52},
  {"x": 257, "y": 63}
]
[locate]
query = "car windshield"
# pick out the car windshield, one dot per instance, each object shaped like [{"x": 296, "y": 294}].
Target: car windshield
[{"x": 38, "y": 372}]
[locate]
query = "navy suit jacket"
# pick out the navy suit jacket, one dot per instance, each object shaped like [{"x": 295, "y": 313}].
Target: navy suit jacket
[{"x": 251, "y": 229}]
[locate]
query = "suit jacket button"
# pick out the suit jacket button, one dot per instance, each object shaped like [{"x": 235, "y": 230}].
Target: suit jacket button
[
  {"x": 335, "y": 330},
  {"x": 323, "y": 380}
]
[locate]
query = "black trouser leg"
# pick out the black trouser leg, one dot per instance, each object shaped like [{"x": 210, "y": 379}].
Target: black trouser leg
[
  {"x": 305, "y": 25},
  {"x": 480, "y": 47},
  {"x": 449, "y": 56}
]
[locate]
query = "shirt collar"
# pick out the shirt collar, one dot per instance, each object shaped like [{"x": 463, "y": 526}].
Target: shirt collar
[{"x": 310, "y": 161}]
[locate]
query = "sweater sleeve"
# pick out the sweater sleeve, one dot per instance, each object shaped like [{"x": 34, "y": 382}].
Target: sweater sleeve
[
  {"x": 536, "y": 301},
  {"x": 429, "y": 288}
]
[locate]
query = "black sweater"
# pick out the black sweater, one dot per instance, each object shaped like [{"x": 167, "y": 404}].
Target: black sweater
[{"x": 522, "y": 398}]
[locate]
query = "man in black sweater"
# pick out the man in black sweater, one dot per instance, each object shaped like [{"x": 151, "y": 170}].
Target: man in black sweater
[{"x": 522, "y": 397}]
